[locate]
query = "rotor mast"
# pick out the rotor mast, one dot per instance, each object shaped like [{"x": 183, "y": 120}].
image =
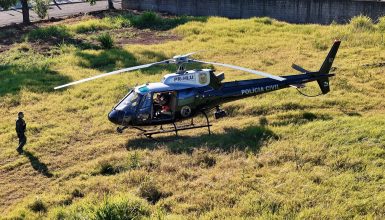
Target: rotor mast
[{"x": 180, "y": 60}]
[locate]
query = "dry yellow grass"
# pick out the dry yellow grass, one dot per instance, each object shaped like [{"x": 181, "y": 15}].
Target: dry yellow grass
[{"x": 314, "y": 158}]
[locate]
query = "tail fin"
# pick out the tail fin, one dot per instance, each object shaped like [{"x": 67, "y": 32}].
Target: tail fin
[{"x": 326, "y": 66}]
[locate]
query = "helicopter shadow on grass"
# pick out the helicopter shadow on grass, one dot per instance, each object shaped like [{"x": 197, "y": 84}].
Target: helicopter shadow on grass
[
  {"x": 36, "y": 79},
  {"x": 37, "y": 164},
  {"x": 301, "y": 119},
  {"x": 118, "y": 58},
  {"x": 250, "y": 139},
  {"x": 350, "y": 113}
]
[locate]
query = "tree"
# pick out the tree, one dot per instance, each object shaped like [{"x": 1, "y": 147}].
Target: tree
[
  {"x": 111, "y": 4},
  {"x": 25, "y": 11},
  {"x": 41, "y": 7}
]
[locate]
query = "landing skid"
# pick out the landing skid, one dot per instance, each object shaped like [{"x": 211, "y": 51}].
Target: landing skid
[{"x": 174, "y": 128}]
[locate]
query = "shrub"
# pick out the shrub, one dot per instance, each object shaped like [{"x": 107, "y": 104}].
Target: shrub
[
  {"x": 381, "y": 24},
  {"x": 309, "y": 116},
  {"x": 41, "y": 8},
  {"x": 263, "y": 121},
  {"x": 151, "y": 192},
  {"x": 146, "y": 20},
  {"x": 106, "y": 168},
  {"x": 51, "y": 32},
  {"x": 77, "y": 193},
  {"x": 134, "y": 161},
  {"x": 361, "y": 23},
  {"x": 105, "y": 40},
  {"x": 38, "y": 205},
  {"x": 168, "y": 23}
]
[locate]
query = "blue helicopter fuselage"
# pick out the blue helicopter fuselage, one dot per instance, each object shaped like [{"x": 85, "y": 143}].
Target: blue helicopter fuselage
[{"x": 137, "y": 107}]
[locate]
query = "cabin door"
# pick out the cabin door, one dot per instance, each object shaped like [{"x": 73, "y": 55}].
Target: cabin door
[
  {"x": 145, "y": 109},
  {"x": 164, "y": 105}
]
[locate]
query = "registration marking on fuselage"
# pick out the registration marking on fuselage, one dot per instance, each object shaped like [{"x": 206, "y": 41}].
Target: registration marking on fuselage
[{"x": 190, "y": 77}]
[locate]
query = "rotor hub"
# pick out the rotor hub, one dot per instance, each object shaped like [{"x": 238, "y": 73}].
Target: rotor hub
[{"x": 179, "y": 59}]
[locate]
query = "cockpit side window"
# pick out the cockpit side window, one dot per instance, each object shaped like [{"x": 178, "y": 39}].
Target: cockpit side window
[
  {"x": 129, "y": 102},
  {"x": 145, "y": 108}
]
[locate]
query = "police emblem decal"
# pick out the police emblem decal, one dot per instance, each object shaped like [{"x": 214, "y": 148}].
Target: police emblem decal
[{"x": 202, "y": 78}]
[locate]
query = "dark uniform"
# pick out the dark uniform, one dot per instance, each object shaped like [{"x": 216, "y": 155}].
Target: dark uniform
[{"x": 20, "y": 130}]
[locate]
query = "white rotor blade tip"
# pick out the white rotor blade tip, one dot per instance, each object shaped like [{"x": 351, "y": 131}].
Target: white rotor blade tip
[
  {"x": 244, "y": 69},
  {"x": 111, "y": 73},
  {"x": 189, "y": 54}
]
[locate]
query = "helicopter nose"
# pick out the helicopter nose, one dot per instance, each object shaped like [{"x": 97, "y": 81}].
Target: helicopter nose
[{"x": 115, "y": 117}]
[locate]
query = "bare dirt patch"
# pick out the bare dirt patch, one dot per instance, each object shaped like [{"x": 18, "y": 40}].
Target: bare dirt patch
[
  {"x": 14, "y": 34},
  {"x": 143, "y": 36}
]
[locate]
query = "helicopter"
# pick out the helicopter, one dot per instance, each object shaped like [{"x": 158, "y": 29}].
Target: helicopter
[{"x": 187, "y": 93}]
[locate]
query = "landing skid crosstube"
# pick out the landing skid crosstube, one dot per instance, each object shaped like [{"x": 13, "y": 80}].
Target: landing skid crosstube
[{"x": 150, "y": 132}]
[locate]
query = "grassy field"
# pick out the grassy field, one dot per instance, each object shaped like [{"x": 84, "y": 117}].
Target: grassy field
[{"x": 278, "y": 155}]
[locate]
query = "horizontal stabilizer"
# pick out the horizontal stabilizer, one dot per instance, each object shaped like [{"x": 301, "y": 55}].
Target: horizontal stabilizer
[{"x": 298, "y": 68}]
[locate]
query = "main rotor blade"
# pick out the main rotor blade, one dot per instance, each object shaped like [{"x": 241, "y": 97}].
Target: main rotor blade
[
  {"x": 112, "y": 73},
  {"x": 243, "y": 69},
  {"x": 189, "y": 54}
]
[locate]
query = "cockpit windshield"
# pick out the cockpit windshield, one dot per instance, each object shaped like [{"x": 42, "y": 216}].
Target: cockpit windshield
[{"x": 130, "y": 102}]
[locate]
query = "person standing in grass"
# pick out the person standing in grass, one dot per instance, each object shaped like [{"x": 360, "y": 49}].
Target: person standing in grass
[{"x": 20, "y": 130}]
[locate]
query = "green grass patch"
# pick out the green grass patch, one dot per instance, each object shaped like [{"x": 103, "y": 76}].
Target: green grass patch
[
  {"x": 120, "y": 206},
  {"x": 154, "y": 21},
  {"x": 93, "y": 25},
  {"x": 59, "y": 32}
]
